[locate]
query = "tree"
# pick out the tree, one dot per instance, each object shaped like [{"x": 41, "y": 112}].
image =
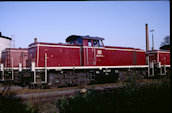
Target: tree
[{"x": 166, "y": 43}]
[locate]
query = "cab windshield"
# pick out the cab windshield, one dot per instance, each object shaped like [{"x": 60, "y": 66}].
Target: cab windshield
[
  {"x": 97, "y": 43},
  {"x": 77, "y": 41}
]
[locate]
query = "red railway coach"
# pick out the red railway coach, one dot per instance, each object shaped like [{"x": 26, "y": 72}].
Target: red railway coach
[
  {"x": 13, "y": 60},
  {"x": 159, "y": 61},
  {"x": 11, "y": 57},
  {"x": 159, "y": 56},
  {"x": 84, "y": 54}
]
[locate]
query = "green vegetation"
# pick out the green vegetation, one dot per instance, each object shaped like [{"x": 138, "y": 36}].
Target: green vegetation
[
  {"x": 133, "y": 97},
  {"x": 9, "y": 104},
  {"x": 149, "y": 98}
]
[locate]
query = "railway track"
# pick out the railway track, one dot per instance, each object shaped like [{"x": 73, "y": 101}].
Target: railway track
[{"x": 44, "y": 95}]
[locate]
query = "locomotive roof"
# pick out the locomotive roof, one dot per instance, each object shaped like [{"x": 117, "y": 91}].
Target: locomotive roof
[
  {"x": 16, "y": 49},
  {"x": 72, "y": 37}
]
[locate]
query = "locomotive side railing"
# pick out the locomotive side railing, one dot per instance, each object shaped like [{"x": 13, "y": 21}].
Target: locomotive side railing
[
  {"x": 45, "y": 67},
  {"x": 12, "y": 71},
  {"x": 2, "y": 71},
  {"x": 34, "y": 72}
]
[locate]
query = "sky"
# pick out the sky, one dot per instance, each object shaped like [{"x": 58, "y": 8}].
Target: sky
[{"x": 121, "y": 23}]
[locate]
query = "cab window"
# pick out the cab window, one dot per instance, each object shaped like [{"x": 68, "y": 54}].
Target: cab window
[
  {"x": 96, "y": 43},
  {"x": 71, "y": 42},
  {"x": 100, "y": 43},
  {"x": 89, "y": 43},
  {"x": 79, "y": 41}
]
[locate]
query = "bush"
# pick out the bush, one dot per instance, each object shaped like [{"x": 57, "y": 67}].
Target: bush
[
  {"x": 149, "y": 98},
  {"x": 10, "y": 104}
]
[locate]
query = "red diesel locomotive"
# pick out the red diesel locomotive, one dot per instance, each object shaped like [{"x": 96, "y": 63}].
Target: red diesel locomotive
[
  {"x": 85, "y": 59},
  {"x": 84, "y": 51}
]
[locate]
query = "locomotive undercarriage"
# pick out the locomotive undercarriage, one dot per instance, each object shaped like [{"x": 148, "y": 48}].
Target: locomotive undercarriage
[
  {"x": 80, "y": 77},
  {"x": 75, "y": 77},
  {"x": 70, "y": 77}
]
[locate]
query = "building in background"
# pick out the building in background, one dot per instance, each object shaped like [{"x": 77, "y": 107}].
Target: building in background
[{"x": 5, "y": 42}]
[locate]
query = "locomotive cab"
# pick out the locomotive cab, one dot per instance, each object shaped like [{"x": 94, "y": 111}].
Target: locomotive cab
[
  {"x": 92, "y": 49},
  {"x": 85, "y": 41}
]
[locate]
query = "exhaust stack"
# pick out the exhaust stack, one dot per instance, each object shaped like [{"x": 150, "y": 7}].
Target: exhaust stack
[
  {"x": 35, "y": 40},
  {"x": 147, "y": 38}
]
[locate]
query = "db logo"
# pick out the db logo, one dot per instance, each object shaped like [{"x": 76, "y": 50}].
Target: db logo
[{"x": 99, "y": 52}]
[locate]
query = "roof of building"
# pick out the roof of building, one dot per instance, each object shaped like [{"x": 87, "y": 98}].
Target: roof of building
[
  {"x": 4, "y": 37},
  {"x": 72, "y": 37}
]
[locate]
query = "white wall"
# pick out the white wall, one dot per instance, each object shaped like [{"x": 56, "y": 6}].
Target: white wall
[{"x": 4, "y": 43}]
